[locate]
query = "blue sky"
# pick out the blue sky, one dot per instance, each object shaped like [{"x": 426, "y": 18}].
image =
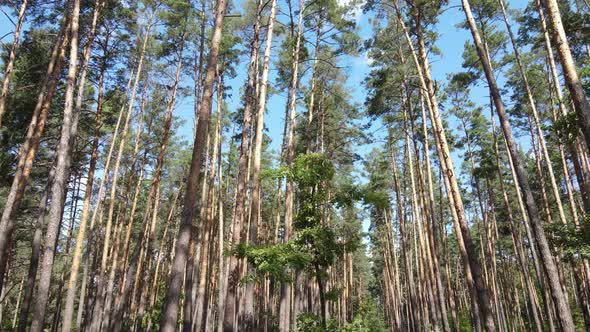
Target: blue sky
[{"x": 450, "y": 42}]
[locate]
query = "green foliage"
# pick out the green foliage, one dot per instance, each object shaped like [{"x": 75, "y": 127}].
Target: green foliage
[
  {"x": 378, "y": 199},
  {"x": 314, "y": 245},
  {"x": 566, "y": 128},
  {"x": 311, "y": 169},
  {"x": 465, "y": 323},
  {"x": 573, "y": 242},
  {"x": 308, "y": 322},
  {"x": 346, "y": 195},
  {"x": 273, "y": 260},
  {"x": 333, "y": 294},
  {"x": 274, "y": 173},
  {"x": 29, "y": 71},
  {"x": 321, "y": 243},
  {"x": 367, "y": 319}
]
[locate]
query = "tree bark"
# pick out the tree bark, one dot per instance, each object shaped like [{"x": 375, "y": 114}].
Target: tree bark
[
  {"x": 249, "y": 320},
  {"x": 568, "y": 65},
  {"x": 76, "y": 259},
  {"x": 468, "y": 252},
  {"x": 58, "y": 188},
  {"x": 11, "y": 57},
  {"x": 202, "y": 307},
  {"x": 35, "y": 254},
  {"x": 238, "y": 212},
  {"x": 170, "y": 309},
  {"x": 285, "y": 291},
  {"x": 100, "y": 287},
  {"x": 28, "y": 149},
  {"x": 549, "y": 266}
]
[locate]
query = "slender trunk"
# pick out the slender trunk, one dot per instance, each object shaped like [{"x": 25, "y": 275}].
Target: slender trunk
[
  {"x": 11, "y": 57},
  {"x": 198, "y": 68},
  {"x": 76, "y": 259},
  {"x": 574, "y": 148},
  {"x": 241, "y": 179},
  {"x": 568, "y": 65},
  {"x": 35, "y": 254},
  {"x": 222, "y": 261},
  {"x": 285, "y": 291},
  {"x": 417, "y": 221},
  {"x": 114, "y": 257},
  {"x": 161, "y": 251},
  {"x": 516, "y": 239},
  {"x": 59, "y": 293},
  {"x": 202, "y": 308},
  {"x": 28, "y": 150},
  {"x": 256, "y": 180},
  {"x": 563, "y": 310},
  {"x": 131, "y": 275},
  {"x": 430, "y": 207},
  {"x": 532, "y": 247},
  {"x": 98, "y": 306},
  {"x": 468, "y": 252},
  {"x": 137, "y": 191},
  {"x": 17, "y": 306},
  {"x": 412, "y": 324},
  {"x": 314, "y": 74},
  {"x": 170, "y": 309},
  {"x": 535, "y": 115},
  {"x": 58, "y": 187}
]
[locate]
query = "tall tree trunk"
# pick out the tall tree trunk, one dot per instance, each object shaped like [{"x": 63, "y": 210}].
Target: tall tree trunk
[
  {"x": 149, "y": 246},
  {"x": 548, "y": 305},
  {"x": 249, "y": 321},
  {"x": 314, "y": 74},
  {"x": 432, "y": 233},
  {"x": 412, "y": 324},
  {"x": 517, "y": 243},
  {"x": 568, "y": 65},
  {"x": 574, "y": 149},
  {"x": 73, "y": 212},
  {"x": 198, "y": 68},
  {"x": 35, "y": 254},
  {"x": 170, "y": 309},
  {"x": 81, "y": 236},
  {"x": 17, "y": 306},
  {"x": 468, "y": 252},
  {"x": 28, "y": 150},
  {"x": 285, "y": 291},
  {"x": 58, "y": 188},
  {"x": 563, "y": 310},
  {"x": 97, "y": 211},
  {"x": 11, "y": 57},
  {"x": 125, "y": 191},
  {"x": 417, "y": 222},
  {"x": 222, "y": 260},
  {"x": 131, "y": 276},
  {"x": 202, "y": 307},
  {"x": 100, "y": 287},
  {"x": 535, "y": 115},
  {"x": 238, "y": 212}
]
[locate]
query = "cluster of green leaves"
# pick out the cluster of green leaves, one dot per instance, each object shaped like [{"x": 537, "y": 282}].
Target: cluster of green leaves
[
  {"x": 573, "y": 241},
  {"x": 273, "y": 260},
  {"x": 313, "y": 323},
  {"x": 314, "y": 244},
  {"x": 367, "y": 319},
  {"x": 566, "y": 128}
]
